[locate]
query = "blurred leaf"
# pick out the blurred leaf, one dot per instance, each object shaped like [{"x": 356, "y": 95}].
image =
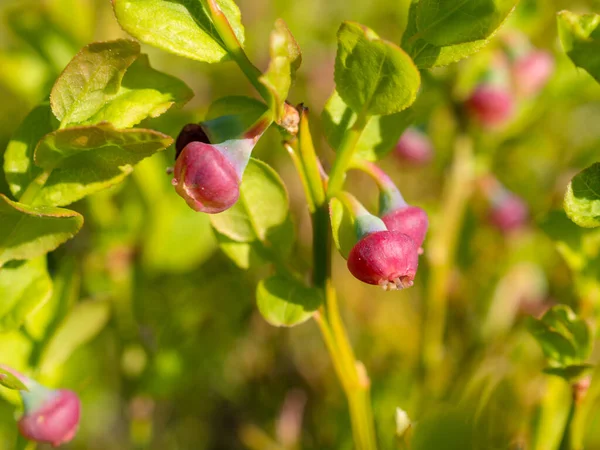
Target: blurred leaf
[
  {"x": 342, "y": 227},
  {"x": 243, "y": 254},
  {"x": 450, "y": 22},
  {"x": 566, "y": 340},
  {"x": 82, "y": 324},
  {"x": 262, "y": 208},
  {"x": 373, "y": 75},
  {"x": 30, "y": 231},
  {"x": 19, "y": 167},
  {"x": 582, "y": 199},
  {"x": 62, "y": 12},
  {"x": 185, "y": 26},
  {"x": 425, "y": 54},
  {"x": 285, "y": 302},
  {"x": 24, "y": 287},
  {"x": 31, "y": 21},
  {"x": 379, "y": 137},
  {"x": 86, "y": 159},
  {"x": 92, "y": 78},
  {"x": 144, "y": 93},
  {"x": 580, "y": 37},
  {"x": 229, "y": 117},
  {"x": 8, "y": 380},
  {"x": 285, "y": 61}
]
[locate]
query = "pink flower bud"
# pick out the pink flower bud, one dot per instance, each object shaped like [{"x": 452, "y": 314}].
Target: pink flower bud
[
  {"x": 532, "y": 71},
  {"x": 410, "y": 220},
  {"x": 54, "y": 420},
  {"x": 414, "y": 147},
  {"x": 492, "y": 105},
  {"x": 509, "y": 212},
  {"x": 206, "y": 178},
  {"x": 385, "y": 258}
]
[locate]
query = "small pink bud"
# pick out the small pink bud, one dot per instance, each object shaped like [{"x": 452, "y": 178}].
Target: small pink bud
[
  {"x": 206, "y": 178},
  {"x": 414, "y": 147},
  {"x": 509, "y": 212},
  {"x": 385, "y": 258},
  {"x": 532, "y": 71},
  {"x": 492, "y": 105},
  {"x": 54, "y": 420},
  {"x": 410, "y": 220}
]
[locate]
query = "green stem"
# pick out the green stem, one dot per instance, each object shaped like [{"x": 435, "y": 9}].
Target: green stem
[
  {"x": 567, "y": 439},
  {"x": 235, "y": 50},
  {"x": 344, "y": 155},
  {"x": 352, "y": 375},
  {"x": 441, "y": 251}
]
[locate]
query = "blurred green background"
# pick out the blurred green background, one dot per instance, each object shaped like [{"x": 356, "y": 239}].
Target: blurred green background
[{"x": 180, "y": 358}]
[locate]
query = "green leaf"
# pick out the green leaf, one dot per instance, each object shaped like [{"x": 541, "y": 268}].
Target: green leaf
[
  {"x": 451, "y": 22},
  {"x": 342, "y": 227},
  {"x": 372, "y": 75},
  {"x": 244, "y": 254},
  {"x": 91, "y": 79},
  {"x": 426, "y": 55},
  {"x": 182, "y": 27},
  {"x": 379, "y": 137},
  {"x": 229, "y": 117},
  {"x": 82, "y": 324},
  {"x": 570, "y": 373},
  {"x": 86, "y": 159},
  {"x": 30, "y": 231},
  {"x": 580, "y": 37},
  {"x": 286, "y": 303},
  {"x": 285, "y": 61},
  {"x": 8, "y": 380},
  {"x": 582, "y": 200},
  {"x": 566, "y": 340},
  {"x": 19, "y": 167},
  {"x": 24, "y": 287},
  {"x": 262, "y": 208},
  {"x": 144, "y": 93}
]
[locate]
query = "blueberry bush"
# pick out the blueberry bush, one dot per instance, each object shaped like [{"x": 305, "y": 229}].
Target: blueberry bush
[{"x": 264, "y": 224}]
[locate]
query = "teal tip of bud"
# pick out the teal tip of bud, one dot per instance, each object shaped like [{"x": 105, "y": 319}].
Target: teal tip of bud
[{"x": 366, "y": 224}]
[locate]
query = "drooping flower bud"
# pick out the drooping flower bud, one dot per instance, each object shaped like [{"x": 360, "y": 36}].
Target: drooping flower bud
[
  {"x": 508, "y": 211},
  {"x": 395, "y": 212},
  {"x": 532, "y": 71},
  {"x": 208, "y": 176},
  {"x": 388, "y": 259},
  {"x": 491, "y": 105},
  {"x": 50, "y": 416},
  {"x": 414, "y": 147}
]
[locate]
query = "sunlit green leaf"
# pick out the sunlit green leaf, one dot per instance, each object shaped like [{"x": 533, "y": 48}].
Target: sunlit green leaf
[
  {"x": 285, "y": 60},
  {"x": 144, "y": 92},
  {"x": 450, "y": 22},
  {"x": 425, "y": 54},
  {"x": 185, "y": 26},
  {"x": 92, "y": 78},
  {"x": 582, "y": 200},
  {"x": 379, "y": 137},
  {"x": 86, "y": 159},
  {"x": 580, "y": 37},
  {"x": 371, "y": 74},
  {"x": 24, "y": 287},
  {"x": 30, "y": 231},
  {"x": 19, "y": 167},
  {"x": 285, "y": 302}
]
